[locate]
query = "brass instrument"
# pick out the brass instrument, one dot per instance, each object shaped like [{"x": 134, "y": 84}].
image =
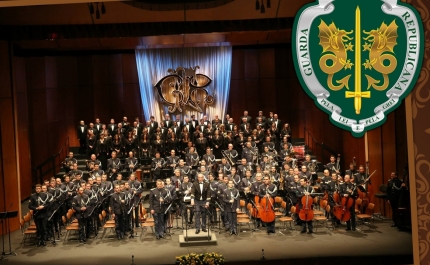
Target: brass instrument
[
  {"x": 338, "y": 163},
  {"x": 90, "y": 164},
  {"x": 227, "y": 156},
  {"x": 294, "y": 163},
  {"x": 313, "y": 165},
  {"x": 255, "y": 156}
]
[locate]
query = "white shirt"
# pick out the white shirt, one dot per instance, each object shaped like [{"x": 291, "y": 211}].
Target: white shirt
[{"x": 201, "y": 190}]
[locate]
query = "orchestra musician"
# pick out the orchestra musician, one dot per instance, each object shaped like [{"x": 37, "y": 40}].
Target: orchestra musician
[
  {"x": 222, "y": 185},
  {"x": 157, "y": 164},
  {"x": 39, "y": 203},
  {"x": 79, "y": 204},
  {"x": 131, "y": 162},
  {"x": 114, "y": 164},
  {"x": 255, "y": 191},
  {"x": 213, "y": 185},
  {"x": 304, "y": 190},
  {"x": 172, "y": 160},
  {"x": 136, "y": 191},
  {"x": 170, "y": 215},
  {"x": 185, "y": 192},
  {"x": 209, "y": 157},
  {"x": 159, "y": 199},
  {"x": 268, "y": 190},
  {"x": 118, "y": 208},
  {"x": 332, "y": 166},
  {"x": 231, "y": 202},
  {"x": 394, "y": 188},
  {"x": 68, "y": 162},
  {"x": 349, "y": 189}
]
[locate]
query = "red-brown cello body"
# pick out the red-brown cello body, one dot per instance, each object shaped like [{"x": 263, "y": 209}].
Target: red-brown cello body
[
  {"x": 306, "y": 213},
  {"x": 342, "y": 212},
  {"x": 267, "y": 214},
  {"x": 256, "y": 211}
]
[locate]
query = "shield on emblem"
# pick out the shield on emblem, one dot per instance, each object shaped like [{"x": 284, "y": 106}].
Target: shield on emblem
[{"x": 358, "y": 59}]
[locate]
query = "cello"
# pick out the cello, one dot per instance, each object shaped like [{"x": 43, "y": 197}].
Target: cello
[
  {"x": 267, "y": 214},
  {"x": 342, "y": 212},
  {"x": 306, "y": 213},
  {"x": 256, "y": 209}
]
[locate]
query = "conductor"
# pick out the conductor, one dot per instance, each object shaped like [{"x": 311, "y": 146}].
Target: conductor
[{"x": 200, "y": 198}]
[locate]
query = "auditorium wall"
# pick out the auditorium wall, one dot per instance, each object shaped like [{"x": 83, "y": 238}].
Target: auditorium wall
[{"x": 63, "y": 89}]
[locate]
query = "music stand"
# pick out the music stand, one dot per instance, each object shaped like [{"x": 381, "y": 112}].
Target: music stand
[
  {"x": 3, "y": 217},
  {"x": 166, "y": 173}
]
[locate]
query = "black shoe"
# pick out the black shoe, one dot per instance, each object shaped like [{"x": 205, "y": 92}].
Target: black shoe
[
  {"x": 163, "y": 236},
  {"x": 231, "y": 233},
  {"x": 197, "y": 231},
  {"x": 157, "y": 237},
  {"x": 393, "y": 225},
  {"x": 353, "y": 229},
  {"x": 39, "y": 244},
  {"x": 263, "y": 225},
  {"x": 54, "y": 243},
  {"x": 119, "y": 238},
  {"x": 310, "y": 232},
  {"x": 137, "y": 226},
  {"x": 303, "y": 231},
  {"x": 190, "y": 222},
  {"x": 44, "y": 243},
  {"x": 258, "y": 226},
  {"x": 84, "y": 241},
  {"x": 348, "y": 229},
  {"x": 81, "y": 241},
  {"x": 204, "y": 230},
  {"x": 131, "y": 236}
]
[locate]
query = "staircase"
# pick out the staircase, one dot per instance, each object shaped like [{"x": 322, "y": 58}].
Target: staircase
[{"x": 82, "y": 164}]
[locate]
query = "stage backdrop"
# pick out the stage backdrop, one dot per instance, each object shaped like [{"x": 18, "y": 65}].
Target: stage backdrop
[{"x": 153, "y": 66}]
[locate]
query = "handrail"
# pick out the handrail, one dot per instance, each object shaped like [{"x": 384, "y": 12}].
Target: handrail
[
  {"x": 320, "y": 149},
  {"x": 40, "y": 171}
]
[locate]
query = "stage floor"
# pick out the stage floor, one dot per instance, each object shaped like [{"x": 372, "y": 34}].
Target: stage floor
[{"x": 383, "y": 241}]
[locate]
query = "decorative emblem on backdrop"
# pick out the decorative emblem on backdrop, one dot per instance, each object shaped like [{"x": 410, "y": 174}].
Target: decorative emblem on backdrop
[
  {"x": 358, "y": 58},
  {"x": 183, "y": 88}
]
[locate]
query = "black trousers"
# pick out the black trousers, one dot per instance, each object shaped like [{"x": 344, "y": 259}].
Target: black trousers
[
  {"x": 232, "y": 221},
  {"x": 309, "y": 224},
  {"x": 159, "y": 223},
  {"x": 395, "y": 208},
  {"x": 82, "y": 146},
  {"x": 119, "y": 225},
  {"x": 83, "y": 228},
  {"x": 41, "y": 226},
  {"x": 351, "y": 222}
]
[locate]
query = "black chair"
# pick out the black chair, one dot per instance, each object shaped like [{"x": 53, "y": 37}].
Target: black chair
[{"x": 382, "y": 197}]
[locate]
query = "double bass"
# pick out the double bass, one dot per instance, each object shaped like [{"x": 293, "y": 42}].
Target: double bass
[{"x": 365, "y": 190}]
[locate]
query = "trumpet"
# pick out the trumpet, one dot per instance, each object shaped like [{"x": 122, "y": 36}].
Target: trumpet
[{"x": 227, "y": 156}]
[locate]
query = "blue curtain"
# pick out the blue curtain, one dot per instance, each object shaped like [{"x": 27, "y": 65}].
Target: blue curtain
[{"x": 152, "y": 65}]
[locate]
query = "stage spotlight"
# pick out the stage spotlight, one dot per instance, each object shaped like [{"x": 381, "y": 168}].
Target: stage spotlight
[
  {"x": 268, "y": 4},
  {"x": 263, "y": 10},
  {"x": 91, "y": 8},
  {"x": 257, "y": 5},
  {"x": 97, "y": 11},
  {"x": 104, "y": 8}
]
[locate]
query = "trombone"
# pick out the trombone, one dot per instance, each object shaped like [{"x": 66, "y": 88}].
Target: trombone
[{"x": 227, "y": 156}]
